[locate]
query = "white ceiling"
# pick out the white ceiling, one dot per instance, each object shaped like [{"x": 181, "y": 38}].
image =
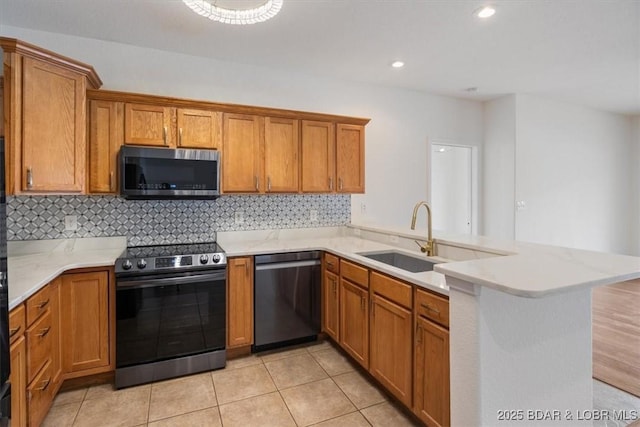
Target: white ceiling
[{"x": 581, "y": 51}]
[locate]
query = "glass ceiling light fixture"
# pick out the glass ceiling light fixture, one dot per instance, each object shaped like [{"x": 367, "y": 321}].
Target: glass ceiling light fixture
[
  {"x": 485, "y": 12},
  {"x": 236, "y": 12}
]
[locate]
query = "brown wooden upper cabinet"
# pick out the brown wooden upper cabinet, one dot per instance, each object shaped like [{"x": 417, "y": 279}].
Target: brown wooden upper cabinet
[
  {"x": 332, "y": 157},
  {"x": 242, "y": 149},
  {"x": 45, "y": 99},
  {"x": 163, "y": 126},
  {"x": 281, "y": 155},
  {"x": 318, "y": 157},
  {"x": 106, "y": 135},
  {"x": 350, "y": 158}
]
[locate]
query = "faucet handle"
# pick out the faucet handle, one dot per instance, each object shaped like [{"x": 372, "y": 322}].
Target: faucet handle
[{"x": 423, "y": 248}]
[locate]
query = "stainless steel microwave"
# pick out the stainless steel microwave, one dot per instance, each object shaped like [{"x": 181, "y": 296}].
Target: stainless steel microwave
[{"x": 163, "y": 173}]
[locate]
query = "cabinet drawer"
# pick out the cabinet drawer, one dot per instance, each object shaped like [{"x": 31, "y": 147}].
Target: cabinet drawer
[
  {"x": 332, "y": 263},
  {"x": 39, "y": 395},
  {"x": 38, "y": 344},
  {"x": 17, "y": 323},
  {"x": 37, "y": 304},
  {"x": 354, "y": 273},
  {"x": 391, "y": 289},
  {"x": 432, "y": 307}
]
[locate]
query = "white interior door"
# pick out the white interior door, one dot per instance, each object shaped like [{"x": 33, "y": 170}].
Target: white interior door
[{"x": 451, "y": 188}]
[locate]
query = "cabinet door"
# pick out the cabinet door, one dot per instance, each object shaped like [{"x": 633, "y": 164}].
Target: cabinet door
[
  {"x": 354, "y": 321},
  {"x": 18, "y": 378},
  {"x": 54, "y": 128},
  {"x": 106, "y": 136},
  {"x": 240, "y": 302},
  {"x": 281, "y": 147},
  {"x": 56, "y": 348},
  {"x": 331, "y": 308},
  {"x": 431, "y": 383},
  {"x": 85, "y": 321},
  {"x": 318, "y": 157},
  {"x": 391, "y": 347},
  {"x": 242, "y": 154},
  {"x": 350, "y": 158},
  {"x": 148, "y": 125},
  {"x": 199, "y": 129}
]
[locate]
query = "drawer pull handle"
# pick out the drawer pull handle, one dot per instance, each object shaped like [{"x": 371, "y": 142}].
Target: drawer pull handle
[
  {"x": 43, "y": 332},
  {"x": 330, "y": 264},
  {"x": 14, "y": 331},
  {"x": 428, "y": 307},
  {"x": 43, "y": 304},
  {"x": 45, "y": 385}
]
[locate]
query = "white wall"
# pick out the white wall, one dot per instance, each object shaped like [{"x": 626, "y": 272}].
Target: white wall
[
  {"x": 635, "y": 158},
  {"x": 499, "y": 168},
  {"x": 396, "y": 138},
  {"x": 573, "y": 170}
]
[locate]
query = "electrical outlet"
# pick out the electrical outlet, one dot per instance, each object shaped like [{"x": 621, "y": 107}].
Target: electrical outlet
[
  {"x": 393, "y": 238},
  {"x": 313, "y": 215},
  {"x": 70, "y": 222},
  {"x": 363, "y": 208},
  {"x": 239, "y": 217}
]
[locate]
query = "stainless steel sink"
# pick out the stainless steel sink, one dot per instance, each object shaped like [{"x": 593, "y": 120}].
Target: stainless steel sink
[{"x": 406, "y": 262}]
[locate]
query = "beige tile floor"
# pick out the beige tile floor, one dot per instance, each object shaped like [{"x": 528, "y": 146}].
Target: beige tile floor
[{"x": 312, "y": 385}]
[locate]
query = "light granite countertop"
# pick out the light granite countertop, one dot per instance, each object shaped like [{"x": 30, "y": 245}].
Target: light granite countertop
[
  {"x": 348, "y": 247},
  {"x": 523, "y": 269},
  {"x": 33, "y": 264}
]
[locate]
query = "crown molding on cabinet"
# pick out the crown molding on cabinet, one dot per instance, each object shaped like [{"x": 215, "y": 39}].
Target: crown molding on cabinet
[
  {"x": 107, "y": 95},
  {"x": 10, "y": 45}
]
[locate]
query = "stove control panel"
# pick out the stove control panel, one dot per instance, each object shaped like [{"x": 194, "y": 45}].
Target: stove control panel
[{"x": 177, "y": 262}]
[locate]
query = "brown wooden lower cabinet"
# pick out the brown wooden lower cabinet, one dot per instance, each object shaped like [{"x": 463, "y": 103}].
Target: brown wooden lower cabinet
[
  {"x": 240, "y": 297},
  {"x": 18, "y": 378},
  {"x": 62, "y": 331},
  {"x": 395, "y": 330},
  {"x": 390, "y": 358},
  {"x": 85, "y": 322},
  {"x": 354, "y": 321},
  {"x": 431, "y": 383},
  {"x": 331, "y": 304}
]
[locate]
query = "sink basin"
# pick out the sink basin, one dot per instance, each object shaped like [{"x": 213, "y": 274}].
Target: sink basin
[{"x": 401, "y": 260}]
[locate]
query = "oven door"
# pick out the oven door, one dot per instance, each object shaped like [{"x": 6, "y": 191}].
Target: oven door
[{"x": 168, "y": 316}]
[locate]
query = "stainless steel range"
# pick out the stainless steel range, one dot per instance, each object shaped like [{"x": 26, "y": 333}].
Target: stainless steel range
[{"x": 170, "y": 312}]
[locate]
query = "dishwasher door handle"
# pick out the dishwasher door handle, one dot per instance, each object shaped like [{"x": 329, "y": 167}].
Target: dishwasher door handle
[{"x": 281, "y": 265}]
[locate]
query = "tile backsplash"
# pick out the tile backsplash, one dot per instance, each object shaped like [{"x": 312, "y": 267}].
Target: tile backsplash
[{"x": 146, "y": 222}]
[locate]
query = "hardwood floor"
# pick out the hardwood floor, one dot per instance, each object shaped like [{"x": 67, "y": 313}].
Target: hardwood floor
[{"x": 616, "y": 335}]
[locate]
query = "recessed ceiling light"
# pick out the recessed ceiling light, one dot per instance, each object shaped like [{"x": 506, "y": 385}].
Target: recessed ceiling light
[
  {"x": 485, "y": 12},
  {"x": 397, "y": 64}
]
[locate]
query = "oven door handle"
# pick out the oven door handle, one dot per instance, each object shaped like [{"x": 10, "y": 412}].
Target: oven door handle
[{"x": 168, "y": 281}]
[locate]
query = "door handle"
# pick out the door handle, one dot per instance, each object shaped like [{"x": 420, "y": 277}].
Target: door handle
[
  {"x": 180, "y": 137},
  {"x": 43, "y": 332},
  {"x": 164, "y": 135},
  {"x": 340, "y": 184},
  {"x": 330, "y": 184}
]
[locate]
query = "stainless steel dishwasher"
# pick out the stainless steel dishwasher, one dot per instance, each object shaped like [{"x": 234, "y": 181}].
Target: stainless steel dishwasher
[{"x": 286, "y": 299}]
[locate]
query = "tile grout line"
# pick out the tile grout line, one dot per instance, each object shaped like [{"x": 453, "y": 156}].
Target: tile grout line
[{"x": 280, "y": 394}]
